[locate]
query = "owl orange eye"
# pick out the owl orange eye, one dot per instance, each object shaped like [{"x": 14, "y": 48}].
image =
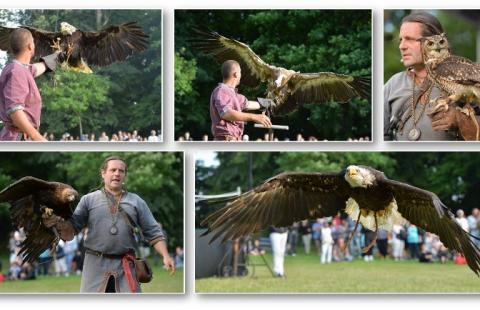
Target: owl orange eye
[{"x": 429, "y": 43}]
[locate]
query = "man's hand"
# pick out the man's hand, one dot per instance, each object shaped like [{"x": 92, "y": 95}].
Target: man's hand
[
  {"x": 21, "y": 121},
  {"x": 453, "y": 119},
  {"x": 51, "y": 220},
  {"x": 443, "y": 119},
  {"x": 64, "y": 228},
  {"x": 262, "y": 119},
  {"x": 169, "y": 264}
]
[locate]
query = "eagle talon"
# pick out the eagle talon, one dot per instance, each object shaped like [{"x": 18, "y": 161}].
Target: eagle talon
[
  {"x": 439, "y": 103},
  {"x": 56, "y": 45},
  {"x": 69, "y": 51},
  {"x": 47, "y": 211}
]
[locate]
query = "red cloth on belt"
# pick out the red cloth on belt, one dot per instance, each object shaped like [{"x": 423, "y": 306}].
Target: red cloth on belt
[{"x": 132, "y": 283}]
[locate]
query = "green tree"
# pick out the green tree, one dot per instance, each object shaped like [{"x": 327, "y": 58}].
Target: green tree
[
  {"x": 185, "y": 94},
  {"x": 76, "y": 101}
]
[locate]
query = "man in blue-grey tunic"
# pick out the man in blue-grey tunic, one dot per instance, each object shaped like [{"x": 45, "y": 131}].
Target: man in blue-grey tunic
[{"x": 109, "y": 259}]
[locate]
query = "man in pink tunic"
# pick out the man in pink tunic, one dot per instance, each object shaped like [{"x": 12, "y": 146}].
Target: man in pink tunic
[
  {"x": 226, "y": 106},
  {"x": 20, "y": 100}
]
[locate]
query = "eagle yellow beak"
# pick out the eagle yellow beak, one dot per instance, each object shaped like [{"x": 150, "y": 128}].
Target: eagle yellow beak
[{"x": 352, "y": 172}]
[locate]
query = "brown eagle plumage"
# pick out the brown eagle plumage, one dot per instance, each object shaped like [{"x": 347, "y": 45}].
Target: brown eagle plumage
[
  {"x": 364, "y": 193},
  {"x": 83, "y": 48},
  {"x": 287, "y": 88},
  {"x": 29, "y": 198},
  {"x": 456, "y": 76}
]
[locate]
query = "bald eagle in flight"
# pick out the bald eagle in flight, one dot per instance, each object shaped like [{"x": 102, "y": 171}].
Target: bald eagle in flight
[
  {"x": 83, "y": 48},
  {"x": 29, "y": 198},
  {"x": 364, "y": 193},
  {"x": 287, "y": 88}
]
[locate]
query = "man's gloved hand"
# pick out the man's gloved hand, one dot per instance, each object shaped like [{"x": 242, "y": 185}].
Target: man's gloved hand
[
  {"x": 51, "y": 220},
  {"x": 52, "y": 60},
  {"x": 453, "y": 119},
  {"x": 266, "y": 104}
]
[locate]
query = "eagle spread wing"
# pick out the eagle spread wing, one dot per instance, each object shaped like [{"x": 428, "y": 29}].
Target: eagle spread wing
[
  {"x": 101, "y": 48},
  {"x": 254, "y": 69},
  {"x": 425, "y": 210},
  {"x": 324, "y": 87},
  {"x": 460, "y": 70},
  {"x": 28, "y": 197},
  {"x": 114, "y": 43},
  {"x": 280, "y": 201}
]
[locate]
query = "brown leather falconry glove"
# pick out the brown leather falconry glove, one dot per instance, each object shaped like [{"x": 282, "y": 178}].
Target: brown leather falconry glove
[
  {"x": 52, "y": 60},
  {"x": 51, "y": 220},
  {"x": 453, "y": 119},
  {"x": 65, "y": 228}
]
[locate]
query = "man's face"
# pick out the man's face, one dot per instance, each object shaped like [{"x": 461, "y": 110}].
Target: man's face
[
  {"x": 114, "y": 175},
  {"x": 237, "y": 73},
  {"x": 410, "y": 48},
  {"x": 31, "y": 47}
]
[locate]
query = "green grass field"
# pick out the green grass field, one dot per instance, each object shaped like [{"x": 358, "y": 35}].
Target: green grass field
[
  {"x": 162, "y": 283},
  {"x": 305, "y": 274}
]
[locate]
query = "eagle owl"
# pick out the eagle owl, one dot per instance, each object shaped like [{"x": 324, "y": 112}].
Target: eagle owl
[{"x": 456, "y": 76}]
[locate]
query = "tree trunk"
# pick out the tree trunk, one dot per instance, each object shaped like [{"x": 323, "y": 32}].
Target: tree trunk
[
  {"x": 98, "y": 21},
  {"x": 80, "y": 127}
]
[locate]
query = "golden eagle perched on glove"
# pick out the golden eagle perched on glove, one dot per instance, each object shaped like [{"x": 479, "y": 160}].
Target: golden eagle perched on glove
[
  {"x": 364, "y": 193},
  {"x": 287, "y": 88},
  {"x": 83, "y": 48},
  {"x": 30, "y": 198}
]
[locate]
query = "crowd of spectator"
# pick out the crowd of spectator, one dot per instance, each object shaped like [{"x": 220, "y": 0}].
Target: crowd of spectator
[
  {"x": 64, "y": 260},
  {"x": 327, "y": 237},
  {"x": 120, "y": 136},
  {"x": 268, "y": 137}
]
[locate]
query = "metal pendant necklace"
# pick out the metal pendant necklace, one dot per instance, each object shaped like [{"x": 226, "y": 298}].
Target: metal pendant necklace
[
  {"x": 113, "y": 211},
  {"x": 415, "y": 133},
  {"x": 113, "y": 228}
]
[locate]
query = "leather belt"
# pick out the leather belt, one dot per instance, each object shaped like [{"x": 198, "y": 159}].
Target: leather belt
[{"x": 100, "y": 254}]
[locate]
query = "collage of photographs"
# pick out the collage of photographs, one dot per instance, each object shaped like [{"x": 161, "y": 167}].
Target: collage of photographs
[{"x": 261, "y": 170}]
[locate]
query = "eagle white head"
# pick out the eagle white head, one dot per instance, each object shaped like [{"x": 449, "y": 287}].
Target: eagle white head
[
  {"x": 359, "y": 177},
  {"x": 66, "y": 28}
]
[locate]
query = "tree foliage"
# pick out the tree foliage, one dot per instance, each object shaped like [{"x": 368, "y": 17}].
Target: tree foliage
[
  {"x": 154, "y": 176},
  {"x": 76, "y": 102},
  {"x": 303, "y": 40}
]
